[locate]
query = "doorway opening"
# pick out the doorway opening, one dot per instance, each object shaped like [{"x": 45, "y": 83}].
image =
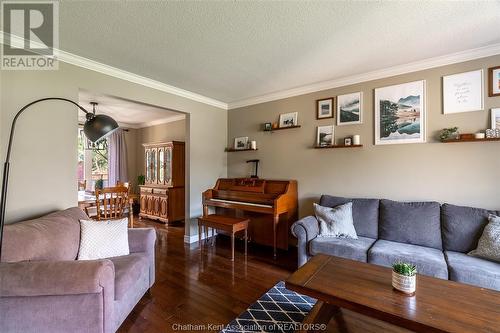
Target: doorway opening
[{"x": 146, "y": 155}]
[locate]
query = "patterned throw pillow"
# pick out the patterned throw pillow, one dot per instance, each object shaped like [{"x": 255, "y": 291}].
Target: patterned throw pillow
[
  {"x": 103, "y": 239},
  {"x": 336, "y": 221},
  {"x": 489, "y": 243}
]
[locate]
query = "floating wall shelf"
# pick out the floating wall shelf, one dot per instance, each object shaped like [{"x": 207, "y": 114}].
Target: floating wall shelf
[
  {"x": 230, "y": 150},
  {"x": 283, "y": 128},
  {"x": 338, "y": 146},
  {"x": 471, "y": 140}
]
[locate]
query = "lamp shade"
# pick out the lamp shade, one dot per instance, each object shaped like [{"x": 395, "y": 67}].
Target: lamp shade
[{"x": 99, "y": 126}]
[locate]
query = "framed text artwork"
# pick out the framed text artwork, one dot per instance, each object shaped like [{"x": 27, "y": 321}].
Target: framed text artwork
[{"x": 463, "y": 92}]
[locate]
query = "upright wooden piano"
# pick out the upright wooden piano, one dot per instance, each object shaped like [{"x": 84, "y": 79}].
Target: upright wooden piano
[{"x": 271, "y": 206}]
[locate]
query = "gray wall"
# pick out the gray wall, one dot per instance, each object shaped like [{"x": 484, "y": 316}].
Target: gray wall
[
  {"x": 460, "y": 173},
  {"x": 43, "y": 169}
]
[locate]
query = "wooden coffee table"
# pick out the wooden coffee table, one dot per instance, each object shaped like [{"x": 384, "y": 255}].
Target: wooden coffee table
[{"x": 438, "y": 305}]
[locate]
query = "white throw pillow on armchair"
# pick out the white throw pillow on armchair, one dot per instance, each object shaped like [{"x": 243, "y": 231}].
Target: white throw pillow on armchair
[{"x": 103, "y": 239}]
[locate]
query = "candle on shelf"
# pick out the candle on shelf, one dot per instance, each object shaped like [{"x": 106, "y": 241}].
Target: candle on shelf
[
  {"x": 253, "y": 145},
  {"x": 356, "y": 139}
]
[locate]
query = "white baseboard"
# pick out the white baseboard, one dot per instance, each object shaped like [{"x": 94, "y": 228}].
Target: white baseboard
[{"x": 194, "y": 238}]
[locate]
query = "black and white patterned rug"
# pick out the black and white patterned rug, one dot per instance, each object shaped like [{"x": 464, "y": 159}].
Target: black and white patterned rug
[{"x": 278, "y": 310}]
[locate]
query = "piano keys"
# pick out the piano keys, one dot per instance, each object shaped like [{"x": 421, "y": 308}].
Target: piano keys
[{"x": 271, "y": 206}]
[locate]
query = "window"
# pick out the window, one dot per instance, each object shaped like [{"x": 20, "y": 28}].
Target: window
[{"x": 92, "y": 161}]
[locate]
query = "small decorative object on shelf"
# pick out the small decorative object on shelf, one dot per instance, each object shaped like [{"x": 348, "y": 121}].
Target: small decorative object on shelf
[
  {"x": 275, "y": 125},
  {"x": 490, "y": 133},
  {"x": 479, "y": 135},
  {"x": 347, "y": 141},
  {"x": 466, "y": 136},
  {"x": 449, "y": 133},
  {"x": 356, "y": 140},
  {"x": 268, "y": 127},
  {"x": 253, "y": 145},
  {"x": 404, "y": 277}
]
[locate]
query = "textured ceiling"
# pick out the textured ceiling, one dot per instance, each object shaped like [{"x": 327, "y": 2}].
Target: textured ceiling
[
  {"x": 127, "y": 113},
  {"x": 235, "y": 50}
]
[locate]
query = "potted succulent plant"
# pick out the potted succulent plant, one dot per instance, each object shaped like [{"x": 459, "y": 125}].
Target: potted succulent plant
[
  {"x": 449, "y": 133},
  {"x": 404, "y": 277}
]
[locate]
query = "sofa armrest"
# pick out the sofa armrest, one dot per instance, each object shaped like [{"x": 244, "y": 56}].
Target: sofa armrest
[
  {"x": 141, "y": 240},
  {"x": 52, "y": 278},
  {"x": 305, "y": 230},
  {"x": 144, "y": 240}
]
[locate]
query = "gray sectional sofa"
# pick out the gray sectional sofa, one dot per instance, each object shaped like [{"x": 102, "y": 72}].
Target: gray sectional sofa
[{"x": 436, "y": 238}]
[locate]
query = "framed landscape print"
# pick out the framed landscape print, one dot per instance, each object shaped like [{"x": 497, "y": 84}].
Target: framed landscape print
[
  {"x": 324, "y": 136},
  {"x": 288, "y": 119},
  {"x": 463, "y": 92},
  {"x": 241, "y": 143},
  {"x": 495, "y": 118},
  {"x": 400, "y": 113},
  {"x": 494, "y": 81},
  {"x": 325, "y": 107},
  {"x": 349, "y": 109}
]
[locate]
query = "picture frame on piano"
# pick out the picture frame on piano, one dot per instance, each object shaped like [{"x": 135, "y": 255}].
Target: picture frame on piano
[{"x": 241, "y": 143}]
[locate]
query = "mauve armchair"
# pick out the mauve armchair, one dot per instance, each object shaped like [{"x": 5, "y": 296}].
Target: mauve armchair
[{"x": 44, "y": 289}]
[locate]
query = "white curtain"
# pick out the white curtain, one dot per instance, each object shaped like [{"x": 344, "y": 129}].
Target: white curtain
[{"x": 117, "y": 158}]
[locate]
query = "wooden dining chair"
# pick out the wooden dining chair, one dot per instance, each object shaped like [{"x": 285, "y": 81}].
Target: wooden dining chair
[{"x": 113, "y": 203}]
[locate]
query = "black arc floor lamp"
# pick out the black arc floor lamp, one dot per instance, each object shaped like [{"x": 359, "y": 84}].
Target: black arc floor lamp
[{"x": 96, "y": 128}]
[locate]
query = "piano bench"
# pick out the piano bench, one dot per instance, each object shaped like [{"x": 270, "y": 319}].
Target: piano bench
[{"x": 228, "y": 224}]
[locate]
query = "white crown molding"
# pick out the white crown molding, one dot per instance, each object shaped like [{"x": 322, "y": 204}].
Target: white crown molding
[
  {"x": 162, "y": 121},
  {"x": 82, "y": 62},
  {"x": 416, "y": 66}
]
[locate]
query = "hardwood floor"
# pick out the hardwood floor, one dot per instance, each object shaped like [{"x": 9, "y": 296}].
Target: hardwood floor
[{"x": 209, "y": 289}]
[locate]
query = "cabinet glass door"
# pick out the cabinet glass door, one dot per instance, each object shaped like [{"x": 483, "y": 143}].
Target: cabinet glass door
[
  {"x": 161, "y": 166},
  {"x": 168, "y": 165},
  {"x": 148, "y": 166},
  {"x": 154, "y": 165}
]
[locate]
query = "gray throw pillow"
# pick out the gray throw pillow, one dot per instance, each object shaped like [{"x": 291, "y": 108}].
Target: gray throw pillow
[
  {"x": 489, "y": 243},
  {"x": 336, "y": 221}
]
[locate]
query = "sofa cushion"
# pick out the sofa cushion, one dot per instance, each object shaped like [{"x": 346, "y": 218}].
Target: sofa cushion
[
  {"x": 416, "y": 223},
  {"x": 364, "y": 213},
  {"x": 128, "y": 269},
  {"x": 429, "y": 261},
  {"x": 54, "y": 236},
  {"x": 471, "y": 270},
  {"x": 355, "y": 249},
  {"x": 462, "y": 227}
]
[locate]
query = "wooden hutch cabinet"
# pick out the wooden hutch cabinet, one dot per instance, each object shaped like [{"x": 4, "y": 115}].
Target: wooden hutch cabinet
[{"x": 162, "y": 195}]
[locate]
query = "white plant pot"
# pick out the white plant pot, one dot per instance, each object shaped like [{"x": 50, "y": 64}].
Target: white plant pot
[{"x": 403, "y": 283}]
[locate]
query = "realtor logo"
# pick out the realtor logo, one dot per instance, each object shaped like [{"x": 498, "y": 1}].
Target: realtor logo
[{"x": 30, "y": 35}]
